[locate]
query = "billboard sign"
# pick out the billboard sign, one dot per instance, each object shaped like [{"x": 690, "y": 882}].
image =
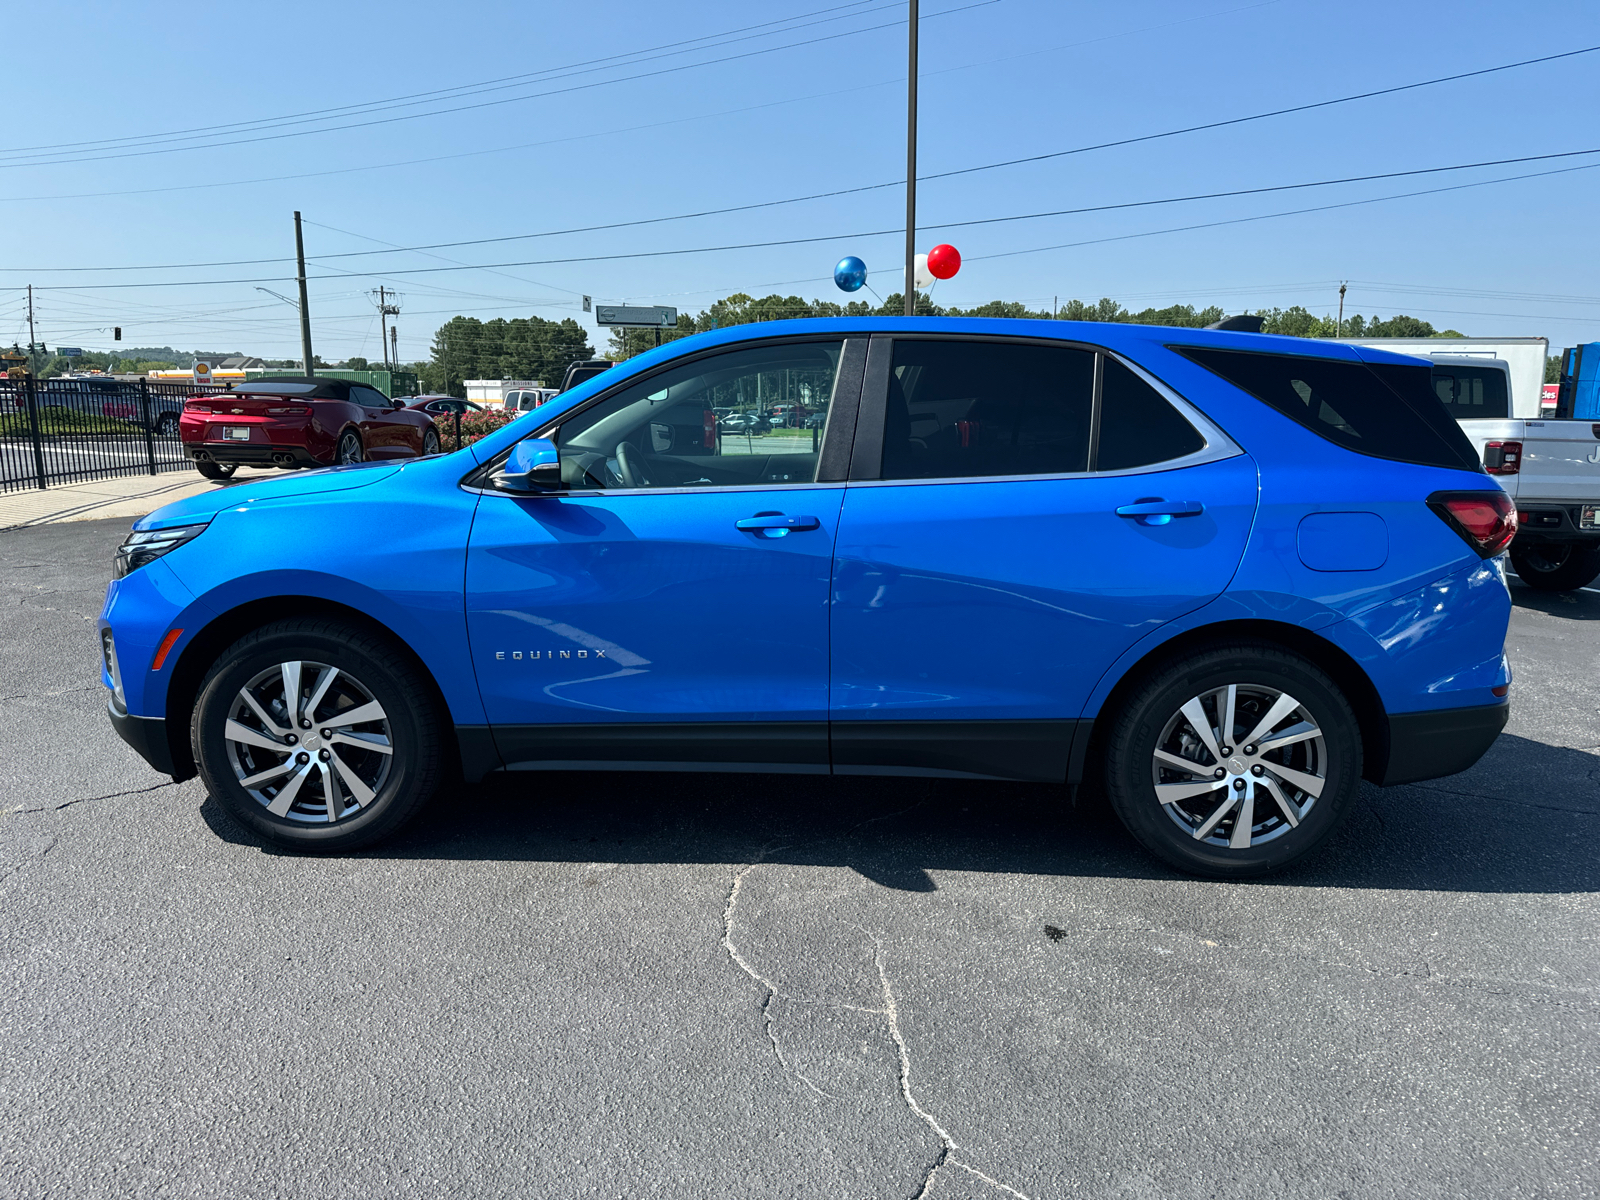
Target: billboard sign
[{"x": 634, "y": 316}]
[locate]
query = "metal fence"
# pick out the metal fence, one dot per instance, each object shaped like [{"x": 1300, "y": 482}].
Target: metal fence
[{"x": 56, "y": 431}]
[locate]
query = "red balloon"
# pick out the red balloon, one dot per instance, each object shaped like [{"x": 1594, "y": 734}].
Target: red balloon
[{"x": 943, "y": 261}]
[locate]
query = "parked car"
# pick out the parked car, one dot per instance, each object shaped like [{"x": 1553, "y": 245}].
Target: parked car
[
  {"x": 583, "y": 371},
  {"x": 440, "y": 405},
  {"x": 744, "y": 422},
  {"x": 295, "y": 423},
  {"x": 1229, "y": 575}
]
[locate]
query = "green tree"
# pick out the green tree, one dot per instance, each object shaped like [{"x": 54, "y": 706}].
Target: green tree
[{"x": 355, "y": 364}]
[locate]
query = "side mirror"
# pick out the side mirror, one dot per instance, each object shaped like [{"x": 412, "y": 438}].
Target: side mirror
[
  {"x": 534, "y": 466},
  {"x": 397, "y": 403}
]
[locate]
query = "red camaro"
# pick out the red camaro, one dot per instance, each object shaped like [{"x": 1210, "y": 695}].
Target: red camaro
[{"x": 291, "y": 423}]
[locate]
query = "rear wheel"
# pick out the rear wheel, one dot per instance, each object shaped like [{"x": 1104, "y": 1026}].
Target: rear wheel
[
  {"x": 1555, "y": 566},
  {"x": 1234, "y": 761},
  {"x": 430, "y": 442},
  {"x": 316, "y": 735},
  {"x": 349, "y": 447},
  {"x": 214, "y": 470}
]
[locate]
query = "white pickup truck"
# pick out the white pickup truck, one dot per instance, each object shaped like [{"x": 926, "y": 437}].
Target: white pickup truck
[{"x": 1550, "y": 466}]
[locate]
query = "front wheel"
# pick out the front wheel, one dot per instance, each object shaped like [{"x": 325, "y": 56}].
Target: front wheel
[
  {"x": 1555, "y": 566},
  {"x": 1234, "y": 761},
  {"x": 349, "y": 448},
  {"x": 317, "y": 735},
  {"x": 166, "y": 424},
  {"x": 215, "y": 470}
]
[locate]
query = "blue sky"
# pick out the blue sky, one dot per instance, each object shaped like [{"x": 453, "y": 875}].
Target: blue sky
[{"x": 642, "y": 137}]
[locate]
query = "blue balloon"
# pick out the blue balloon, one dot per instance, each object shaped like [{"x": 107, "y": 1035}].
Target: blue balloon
[{"x": 850, "y": 274}]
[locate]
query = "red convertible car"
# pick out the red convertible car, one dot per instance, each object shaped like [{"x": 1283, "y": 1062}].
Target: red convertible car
[{"x": 301, "y": 423}]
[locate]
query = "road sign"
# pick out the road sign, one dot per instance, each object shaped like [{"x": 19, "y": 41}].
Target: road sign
[
  {"x": 202, "y": 371},
  {"x": 588, "y": 304},
  {"x": 636, "y": 316},
  {"x": 69, "y": 351}
]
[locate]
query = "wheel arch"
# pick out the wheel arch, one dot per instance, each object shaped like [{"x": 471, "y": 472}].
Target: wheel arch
[
  {"x": 183, "y": 688},
  {"x": 1372, "y": 717}
]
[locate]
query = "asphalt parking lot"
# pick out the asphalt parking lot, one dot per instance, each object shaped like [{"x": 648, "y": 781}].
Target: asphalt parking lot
[{"x": 734, "y": 986}]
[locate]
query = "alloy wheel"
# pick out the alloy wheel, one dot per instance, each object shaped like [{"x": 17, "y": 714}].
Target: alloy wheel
[
  {"x": 350, "y": 448},
  {"x": 1240, "y": 765},
  {"x": 309, "y": 742}
]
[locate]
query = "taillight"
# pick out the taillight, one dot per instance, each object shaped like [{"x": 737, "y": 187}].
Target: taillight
[
  {"x": 1502, "y": 458},
  {"x": 297, "y": 411},
  {"x": 1486, "y": 521},
  {"x": 195, "y": 406}
]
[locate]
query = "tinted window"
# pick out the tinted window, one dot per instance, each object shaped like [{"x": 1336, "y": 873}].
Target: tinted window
[
  {"x": 1377, "y": 409},
  {"x": 963, "y": 409},
  {"x": 664, "y": 430},
  {"x": 1468, "y": 392},
  {"x": 369, "y": 397},
  {"x": 1137, "y": 425},
  {"x": 281, "y": 389}
]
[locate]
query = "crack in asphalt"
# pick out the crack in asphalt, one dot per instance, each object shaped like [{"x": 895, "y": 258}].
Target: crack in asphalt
[
  {"x": 19, "y": 810},
  {"x": 58, "y": 692},
  {"x": 49, "y": 846},
  {"x": 1583, "y": 812},
  {"x": 890, "y": 1012}
]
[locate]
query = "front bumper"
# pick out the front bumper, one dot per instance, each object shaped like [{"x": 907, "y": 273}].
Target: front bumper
[
  {"x": 1430, "y": 745},
  {"x": 148, "y": 736}
]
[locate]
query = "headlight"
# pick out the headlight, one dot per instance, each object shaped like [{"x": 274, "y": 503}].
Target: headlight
[{"x": 141, "y": 548}]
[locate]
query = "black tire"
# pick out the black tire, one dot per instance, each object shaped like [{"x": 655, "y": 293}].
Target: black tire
[
  {"x": 213, "y": 470},
  {"x": 349, "y": 450},
  {"x": 1154, "y": 711},
  {"x": 1556, "y": 566},
  {"x": 430, "y": 441},
  {"x": 167, "y": 424},
  {"x": 368, "y": 667}
]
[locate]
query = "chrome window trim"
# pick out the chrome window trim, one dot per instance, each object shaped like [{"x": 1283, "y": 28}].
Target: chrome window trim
[{"x": 811, "y": 486}]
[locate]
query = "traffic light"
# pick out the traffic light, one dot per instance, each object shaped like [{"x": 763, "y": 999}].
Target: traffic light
[{"x": 116, "y": 333}]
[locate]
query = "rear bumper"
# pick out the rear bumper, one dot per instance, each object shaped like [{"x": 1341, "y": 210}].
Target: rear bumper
[
  {"x": 262, "y": 453},
  {"x": 1553, "y": 522},
  {"x": 1429, "y": 745},
  {"x": 147, "y": 735}
]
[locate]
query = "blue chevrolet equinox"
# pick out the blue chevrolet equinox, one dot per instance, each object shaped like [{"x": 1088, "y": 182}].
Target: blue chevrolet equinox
[{"x": 1221, "y": 576}]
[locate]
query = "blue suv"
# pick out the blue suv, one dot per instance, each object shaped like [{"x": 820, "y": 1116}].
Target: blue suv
[{"x": 1224, "y": 576}]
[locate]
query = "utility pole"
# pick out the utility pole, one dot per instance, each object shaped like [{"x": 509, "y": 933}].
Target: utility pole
[
  {"x": 385, "y": 311},
  {"x": 305, "y": 309},
  {"x": 394, "y": 348},
  {"x": 1339, "y": 330},
  {"x": 33, "y": 340},
  {"x": 911, "y": 168}
]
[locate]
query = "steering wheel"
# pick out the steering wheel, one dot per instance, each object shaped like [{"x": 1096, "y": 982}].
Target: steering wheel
[{"x": 630, "y": 465}]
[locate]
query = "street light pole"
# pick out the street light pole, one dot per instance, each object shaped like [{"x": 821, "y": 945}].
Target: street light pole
[
  {"x": 911, "y": 168},
  {"x": 305, "y": 310}
]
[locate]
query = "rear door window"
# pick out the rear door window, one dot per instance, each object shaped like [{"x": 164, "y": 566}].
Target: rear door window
[
  {"x": 960, "y": 409},
  {"x": 1470, "y": 393},
  {"x": 1379, "y": 409}
]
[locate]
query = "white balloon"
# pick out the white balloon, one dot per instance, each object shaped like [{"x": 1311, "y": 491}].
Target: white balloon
[{"x": 920, "y": 273}]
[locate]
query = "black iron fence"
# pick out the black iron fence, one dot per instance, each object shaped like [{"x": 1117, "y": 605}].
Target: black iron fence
[{"x": 56, "y": 431}]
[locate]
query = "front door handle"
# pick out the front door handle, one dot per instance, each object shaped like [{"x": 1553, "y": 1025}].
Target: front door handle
[
  {"x": 1156, "y": 511},
  {"x": 776, "y": 525}
]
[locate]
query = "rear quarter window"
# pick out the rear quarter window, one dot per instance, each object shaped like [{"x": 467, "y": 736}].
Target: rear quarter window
[{"x": 1378, "y": 409}]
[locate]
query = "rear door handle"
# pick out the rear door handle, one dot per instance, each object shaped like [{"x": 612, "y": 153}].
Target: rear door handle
[
  {"x": 776, "y": 524},
  {"x": 1155, "y": 511}
]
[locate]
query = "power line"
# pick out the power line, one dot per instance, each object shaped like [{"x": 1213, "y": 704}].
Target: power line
[
  {"x": 412, "y": 96},
  {"x": 413, "y": 162},
  {"x": 324, "y": 259},
  {"x": 143, "y": 153}
]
